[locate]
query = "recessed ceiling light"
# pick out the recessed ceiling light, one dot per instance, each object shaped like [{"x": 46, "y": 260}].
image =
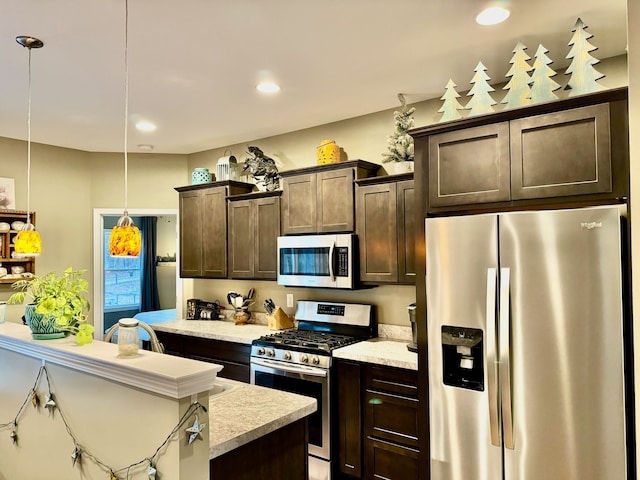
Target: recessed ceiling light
[
  {"x": 145, "y": 126},
  {"x": 268, "y": 87},
  {"x": 492, "y": 16},
  {"x": 145, "y": 148}
]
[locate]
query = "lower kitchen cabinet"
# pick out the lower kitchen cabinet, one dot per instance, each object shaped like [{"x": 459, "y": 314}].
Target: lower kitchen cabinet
[
  {"x": 281, "y": 455},
  {"x": 234, "y": 357},
  {"x": 379, "y": 408}
]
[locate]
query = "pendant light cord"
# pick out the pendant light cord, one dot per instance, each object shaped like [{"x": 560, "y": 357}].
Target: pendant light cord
[
  {"x": 29, "y": 144},
  {"x": 126, "y": 101}
]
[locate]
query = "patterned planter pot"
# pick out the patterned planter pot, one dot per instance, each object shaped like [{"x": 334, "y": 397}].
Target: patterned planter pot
[{"x": 42, "y": 327}]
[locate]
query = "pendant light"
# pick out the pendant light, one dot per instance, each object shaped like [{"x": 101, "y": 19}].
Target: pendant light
[
  {"x": 125, "y": 237},
  {"x": 28, "y": 242}
]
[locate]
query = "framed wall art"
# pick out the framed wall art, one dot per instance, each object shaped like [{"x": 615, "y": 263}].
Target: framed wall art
[{"x": 7, "y": 194}]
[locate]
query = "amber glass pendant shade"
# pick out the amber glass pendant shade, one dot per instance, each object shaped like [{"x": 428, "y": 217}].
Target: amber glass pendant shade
[
  {"x": 125, "y": 239},
  {"x": 28, "y": 242}
]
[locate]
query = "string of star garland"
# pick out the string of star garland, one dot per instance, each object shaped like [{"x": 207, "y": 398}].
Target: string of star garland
[{"x": 80, "y": 451}]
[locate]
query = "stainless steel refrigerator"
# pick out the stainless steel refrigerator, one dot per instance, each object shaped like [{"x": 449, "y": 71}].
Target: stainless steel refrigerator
[{"x": 525, "y": 337}]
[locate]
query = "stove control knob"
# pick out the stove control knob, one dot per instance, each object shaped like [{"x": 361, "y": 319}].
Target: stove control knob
[
  {"x": 271, "y": 352},
  {"x": 260, "y": 351},
  {"x": 304, "y": 358},
  {"x": 316, "y": 360},
  {"x": 287, "y": 355}
]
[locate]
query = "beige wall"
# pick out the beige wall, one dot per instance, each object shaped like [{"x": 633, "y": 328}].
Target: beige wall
[{"x": 67, "y": 184}]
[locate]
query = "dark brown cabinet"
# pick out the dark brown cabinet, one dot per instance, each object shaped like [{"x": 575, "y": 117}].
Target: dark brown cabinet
[
  {"x": 570, "y": 150},
  {"x": 203, "y": 228},
  {"x": 234, "y": 357},
  {"x": 379, "y": 408},
  {"x": 254, "y": 226},
  {"x": 320, "y": 199},
  {"x": 385, "y": 224}
]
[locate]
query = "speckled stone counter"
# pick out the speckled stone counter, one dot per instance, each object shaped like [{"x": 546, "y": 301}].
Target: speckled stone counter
[
  {"x": 246, "y": 412},
  {"x": 380, "y": 351},
  {"x": 215, "y": 329}
]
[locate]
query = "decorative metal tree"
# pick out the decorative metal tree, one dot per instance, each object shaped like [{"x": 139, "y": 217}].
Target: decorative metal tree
[
  {"x": 451, "y": 107},
  {"x": 518, "y": 90},
  {"x": 542, "y": 86},
  {"x": 584, "y": 78},
  {"x": 481, "y": 102}
]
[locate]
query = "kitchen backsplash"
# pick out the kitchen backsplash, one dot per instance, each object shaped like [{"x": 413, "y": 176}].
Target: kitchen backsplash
[{"x": 391, "y": 301}]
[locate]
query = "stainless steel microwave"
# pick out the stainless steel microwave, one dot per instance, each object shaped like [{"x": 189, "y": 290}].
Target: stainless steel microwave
[{"x": 323, "y": 261}]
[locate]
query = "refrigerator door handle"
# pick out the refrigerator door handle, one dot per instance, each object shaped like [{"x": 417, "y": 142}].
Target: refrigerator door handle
[
  {"x": 505, "y": 358},
  {"x": 492, "y": 357}
]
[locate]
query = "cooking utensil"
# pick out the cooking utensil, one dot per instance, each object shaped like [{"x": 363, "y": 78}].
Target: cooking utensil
[{"x": 252, "y": 292}]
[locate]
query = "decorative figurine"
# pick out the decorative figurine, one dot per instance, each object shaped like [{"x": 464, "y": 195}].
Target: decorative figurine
[{"x": 262, "y": 168}]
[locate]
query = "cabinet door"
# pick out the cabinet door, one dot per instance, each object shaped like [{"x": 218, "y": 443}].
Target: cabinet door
[
  {"x": 335, "y": 204},
  {"x": 214, "y": 232},
  {"x": 563, "y": 153},
  {"x": 299, "y": 204},
  {"x": 241, "y": 239},
  {"x": 190, "y": 234},
  {"x": 469, "y": 166},
  {"x": 406, "y": 232},
  {"x": 377, "y": 232},
  {"x": 267, "y": 214},
  {"x": 349, "y": 423}
]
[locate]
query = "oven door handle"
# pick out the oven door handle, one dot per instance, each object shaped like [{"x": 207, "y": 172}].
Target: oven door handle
[{"x": 312, "y": 371}]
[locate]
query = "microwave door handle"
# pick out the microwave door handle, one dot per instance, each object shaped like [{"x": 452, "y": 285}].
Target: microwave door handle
[{"x": 332, "y": 252}]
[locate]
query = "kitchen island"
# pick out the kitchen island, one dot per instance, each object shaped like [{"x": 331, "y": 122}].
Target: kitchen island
[
  {"x": 120, "y": 410},
  {"x": 258, "y": 432}
]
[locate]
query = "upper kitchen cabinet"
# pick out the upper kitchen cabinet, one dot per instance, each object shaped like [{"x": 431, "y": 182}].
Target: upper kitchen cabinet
[
  {"x": 385, "y": 224},
  {"x": 254, "y": 226},
  {"x": 569, "y": 150},
  {"x": 320, "y": 199},
  {"x": 203, "y": 227}
]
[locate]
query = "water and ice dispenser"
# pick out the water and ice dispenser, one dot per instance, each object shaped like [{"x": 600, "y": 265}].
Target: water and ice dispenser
[{"x": 463, "y": 357}]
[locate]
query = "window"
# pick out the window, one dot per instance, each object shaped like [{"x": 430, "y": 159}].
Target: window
[{"x": 122, "y": 280}]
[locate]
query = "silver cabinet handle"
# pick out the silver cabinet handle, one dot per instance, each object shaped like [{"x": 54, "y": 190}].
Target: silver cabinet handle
[
  {"x": 505, "y": 358},
  {"x": 492, "y": 358}
]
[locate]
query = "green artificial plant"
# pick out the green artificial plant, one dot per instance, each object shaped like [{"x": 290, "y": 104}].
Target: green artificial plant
[{"x": 61, "y": 298}]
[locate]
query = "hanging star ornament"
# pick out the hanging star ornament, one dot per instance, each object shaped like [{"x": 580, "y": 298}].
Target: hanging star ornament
[
  {"x": 195, "y": 430},
  {"x": 75, "y": 456},
  {"x": 50, "y": 403},
  {"x": 151, "y": 471},
  {"x": 112, "y": 476},
  {"x": 14, "y": 436},
  {"x": 35, "y": 400}
]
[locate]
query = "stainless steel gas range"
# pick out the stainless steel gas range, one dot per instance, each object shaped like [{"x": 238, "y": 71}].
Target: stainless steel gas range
[{"x": 300, "y": 361}]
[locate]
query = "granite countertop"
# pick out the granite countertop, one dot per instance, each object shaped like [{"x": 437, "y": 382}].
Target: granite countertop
[
  {"x": 389, "y": 350},
  {"x": 246, "y": 412},
  {"x": 215, "y": 329}
]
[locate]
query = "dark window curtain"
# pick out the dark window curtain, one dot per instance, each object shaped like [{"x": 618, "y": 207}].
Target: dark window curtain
[{"x": 150, "y": 299}]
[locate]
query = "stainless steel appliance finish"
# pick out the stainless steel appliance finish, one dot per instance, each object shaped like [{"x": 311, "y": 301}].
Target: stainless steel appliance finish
[
  {"x": 326, "y": 261},
  {"x": 525, "y": 337},
  {"x": 299, "y": 361}
]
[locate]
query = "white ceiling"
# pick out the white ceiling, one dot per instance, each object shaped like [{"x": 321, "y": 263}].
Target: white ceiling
[{"x": 193, "y": 64}]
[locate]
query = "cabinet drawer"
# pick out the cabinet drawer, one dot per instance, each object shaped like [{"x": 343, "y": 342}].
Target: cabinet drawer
[
  {"x": 384, "y": 460},
  {"x": 392, "y": 380},
  {"x": 392, "y": 417},
  {"x": 217, "y": 350}
]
